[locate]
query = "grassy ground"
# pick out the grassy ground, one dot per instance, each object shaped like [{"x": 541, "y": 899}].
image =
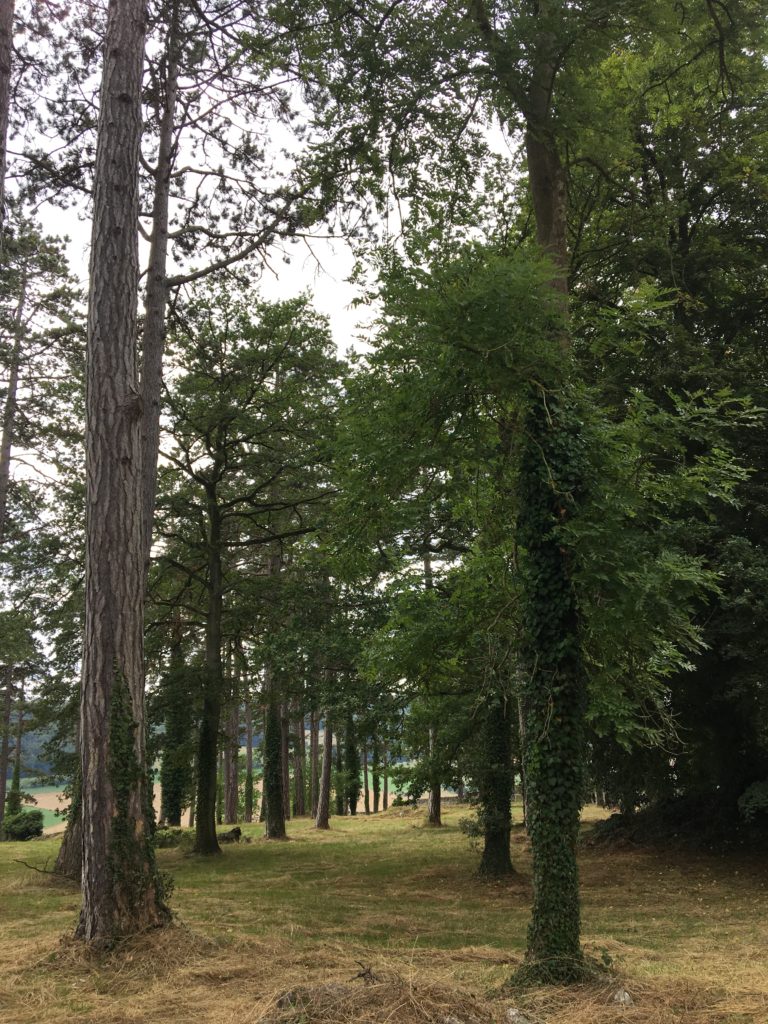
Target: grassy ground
[{"x": 686, "y": 936}]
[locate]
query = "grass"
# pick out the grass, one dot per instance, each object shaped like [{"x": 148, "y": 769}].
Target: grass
[{"x": 686, "y": 936}]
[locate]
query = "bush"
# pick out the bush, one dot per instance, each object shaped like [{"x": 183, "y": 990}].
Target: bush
[
  {"x": 24, "y": 825},
  {"x": 167, "y": 837},
  {"x": 753, "y": 802}
]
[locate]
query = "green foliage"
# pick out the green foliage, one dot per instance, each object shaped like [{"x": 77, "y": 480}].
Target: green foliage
[
  {"x": 753, "y": 802},
  {"x": 23, "y": 825}
]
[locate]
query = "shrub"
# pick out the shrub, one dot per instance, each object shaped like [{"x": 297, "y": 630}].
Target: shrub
[
  {"x": 753, "y": 802},
  {"x": 24, "y": 825}
]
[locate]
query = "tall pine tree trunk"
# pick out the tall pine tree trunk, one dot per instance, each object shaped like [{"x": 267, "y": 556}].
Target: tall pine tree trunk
[
  {"x": 285, "y": 767},
  {"x": 299, "y": 753},
  {"x": 273, "y": 802},
  {"x": 324, "y": 797},
  {"x": 11, "y": 405},
  {"x": 232, "y": 763},
  {"x": 248, "y": 798},
  {"x": 366, "y": 790},
  {"x": 314, "y": 766},
  {"x": 6, "y": 57},
  {"x": 156, "y": 291},
  {"x": 13, "y": 801},
  {"x": 376, "y": 774},
  {"x": 385, "y": 766},
  {"x": 340, "y": 787},
  {"x": 120, "y": 885},
  {"x": 206, "y": 841}
]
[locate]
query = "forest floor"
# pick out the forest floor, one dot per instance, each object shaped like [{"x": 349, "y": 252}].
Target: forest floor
[{"x": 399, "y": 906}]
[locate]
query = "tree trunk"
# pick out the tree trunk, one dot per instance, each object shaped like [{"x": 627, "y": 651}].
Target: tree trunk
[
  {"x": 274, "y": 804},
  {"x": 314, "y": 765},
  {"x": 435, "y": 798},
  {"x": 340, "y": 787},
  {"x": 13, "y": 800},
  {"x": 206, "y": 841},
  {"x": 376, "y": 774},
  {"x": 366, "y": 791},
  {"x": 121, "y": 888},
  {"x": 248, "y": 800},
  {"x": 156, "y": 292},
  {"x": 232, "y": 764},
  {"x": 523, "y": 787},
  {"x": 299, "y": 799},
  {"x": 5, "y": 745},
  {"x": 175, "y": 766},
  {"x": 11, "y": 405},
  {"x": 285, "y": 746},
  {"x": 495, "y": 786},
  {"x": 324, "y": 797},
  {"x": 220, "y": 788},
  {"x": 385, "y": 766},
  {"x": 6, "y": 57}
]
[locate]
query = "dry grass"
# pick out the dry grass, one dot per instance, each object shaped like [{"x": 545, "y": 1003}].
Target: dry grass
[{"x": 383, "y": 921}]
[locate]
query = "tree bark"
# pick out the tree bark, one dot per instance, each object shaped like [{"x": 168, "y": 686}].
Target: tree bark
[
  {"x": 285, "y": 746},
  {"x": 232, "y": 764},
  {"x": 385, "y": 766},
  {"x": 248, "y": 802},
  {"x": 435, "y": 798},
  {"x": 13, "y": 800},
  {"x": 206, "y": 841},
  {"x": 5, "y": 745},
  {"x": 376, "y": 774},
  {"x": 314, "y": 765},
  {"x": 299, "y": 800},
  {"x": 324, "y": 797},
  {"x": 273, "y": 802},
  {"x": 340, "y": 794},
  {"x": 156, "y": 291},
  {"x": 11, "y": 405},
  {"x": 7, "y": 9},
  {"x": 121, "y": 889},
  {"x": 366, "y": 791}
]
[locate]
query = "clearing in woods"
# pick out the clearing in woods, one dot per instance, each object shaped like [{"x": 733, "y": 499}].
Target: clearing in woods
[{"x": 398, "y": 906}]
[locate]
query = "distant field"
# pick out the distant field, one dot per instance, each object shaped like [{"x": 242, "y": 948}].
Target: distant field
[{"x": 686, "y": 935}]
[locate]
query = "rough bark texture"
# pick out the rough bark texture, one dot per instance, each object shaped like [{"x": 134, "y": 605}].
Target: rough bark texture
[
  {"x": 324, "y": 797},
  {"x": 6, "y": 56},
  {"x": 366, "y": 790},
  {"x": 11, "y": 406},
  {"x": 385, "y": 766},
  {"x": 121, "y": 890},
  {"x": 156, "y": 292}
]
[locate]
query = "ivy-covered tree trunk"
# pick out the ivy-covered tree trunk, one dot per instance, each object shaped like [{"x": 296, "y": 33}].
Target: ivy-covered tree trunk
[
  {"x": 206, "y": 841},
  {"x": 120, "y": 884},
  {"x": 554, "y": 689},
  {"x": 274, "y": 805},
  {"x": 385, "y": 767},
  {"x": 495, "y": 790},
  {"x": 6, "y": 56},
  {"x": 324, "y": 797},
  {"x": 176, "y": 761}
]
